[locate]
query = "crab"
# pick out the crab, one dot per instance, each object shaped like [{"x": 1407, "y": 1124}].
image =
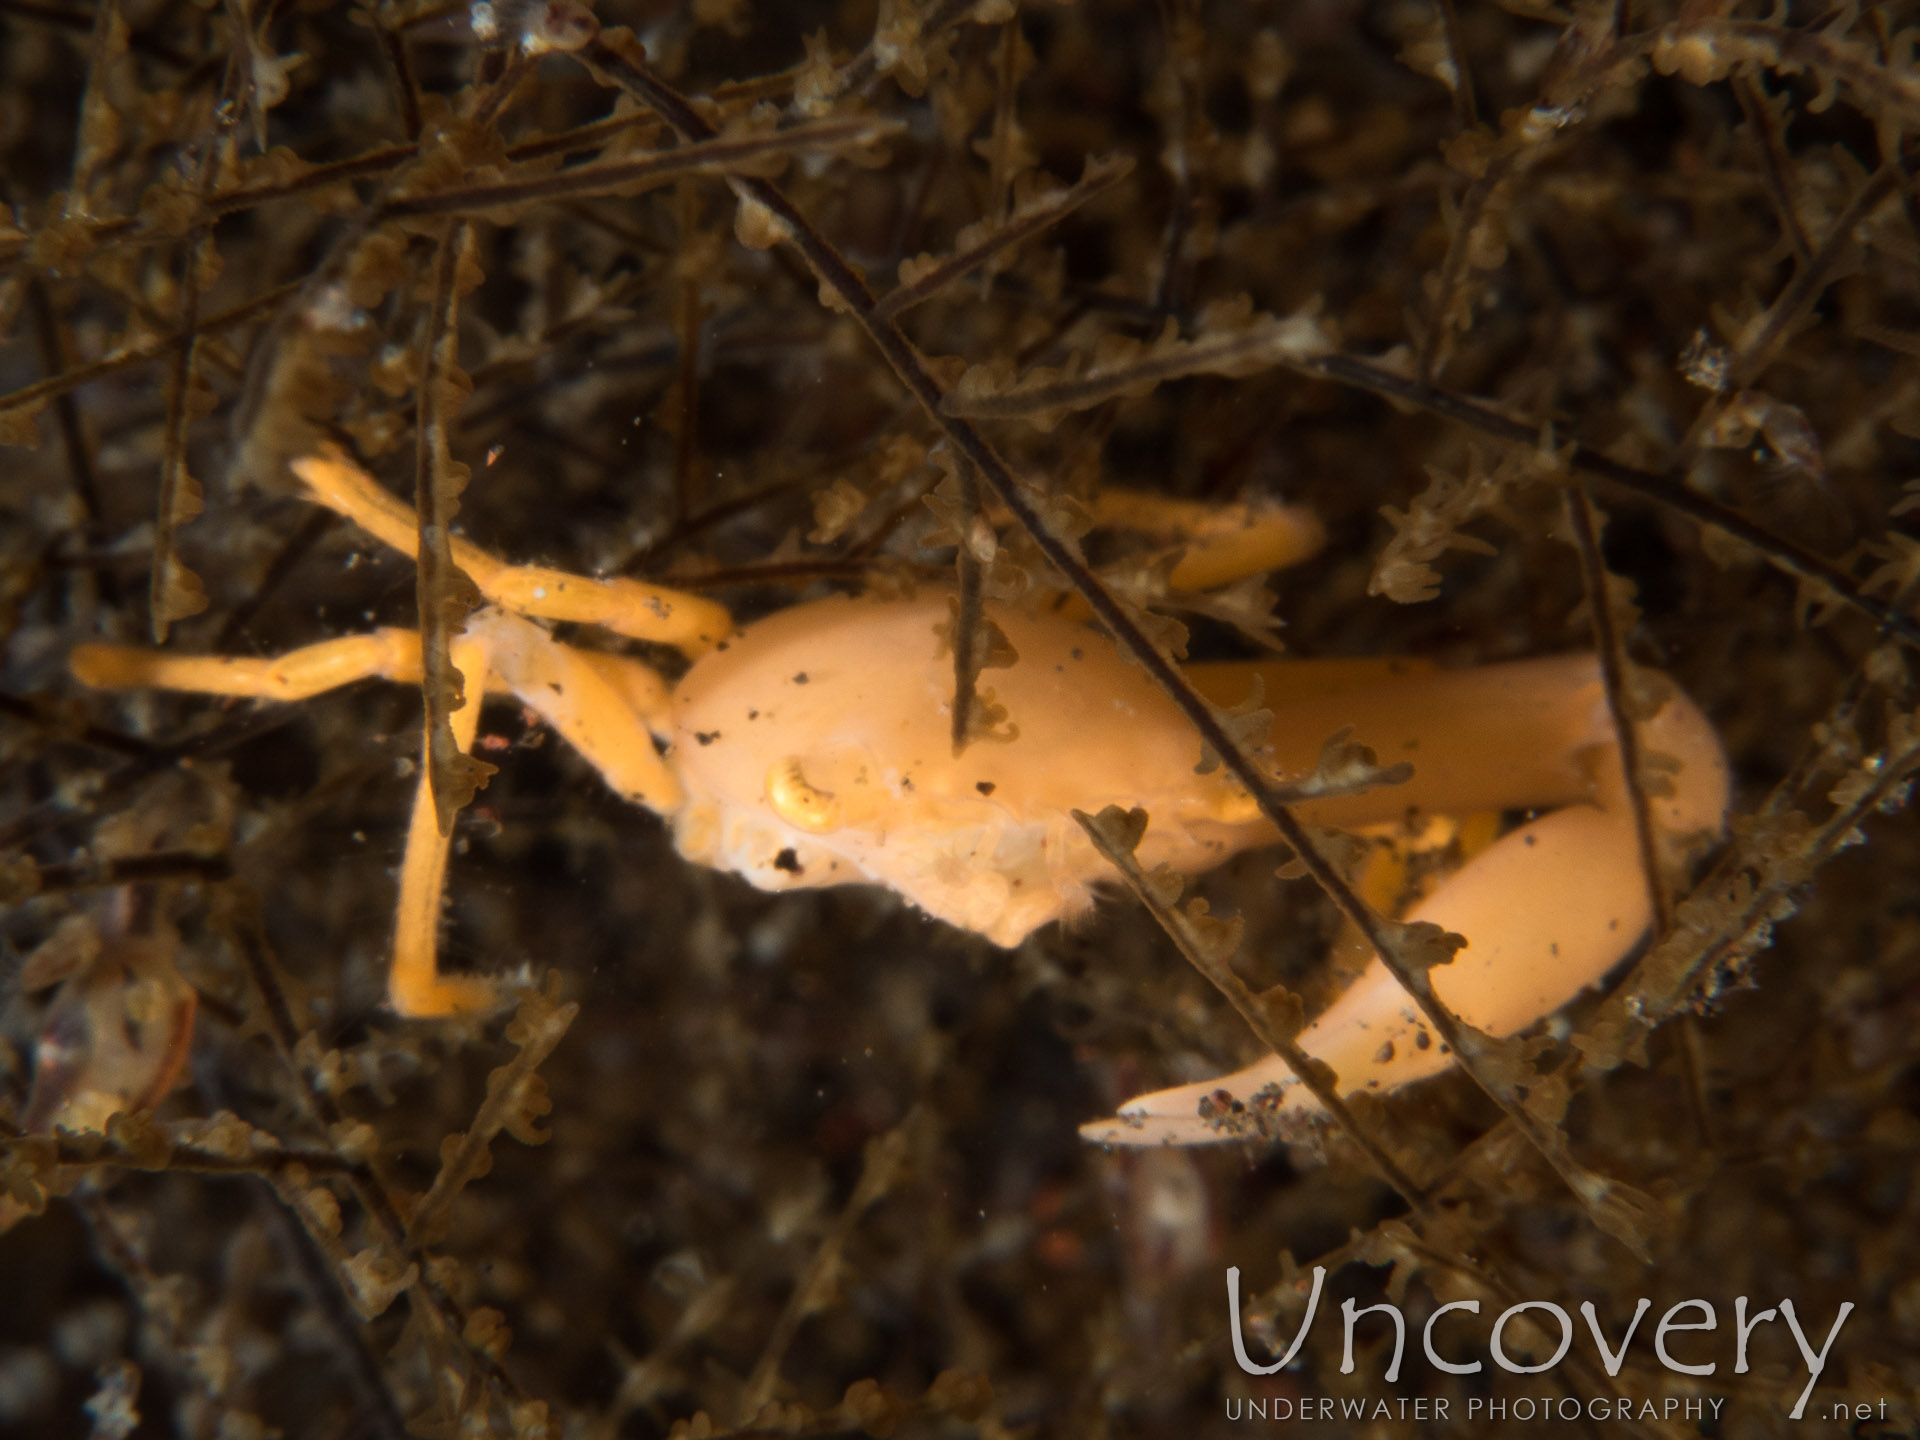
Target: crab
[{"x": 812, "y": 748}]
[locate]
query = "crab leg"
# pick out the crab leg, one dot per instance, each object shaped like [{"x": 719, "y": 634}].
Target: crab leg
[
  {"x": 299, "y": 675},
  {"x": 414, "y": 983},
  {"x": 1222, "y": 543},
  {"x": 602, "y": 705},
  {"x": 1547, "y": 910},
  {"x": 627, "y": 607}
]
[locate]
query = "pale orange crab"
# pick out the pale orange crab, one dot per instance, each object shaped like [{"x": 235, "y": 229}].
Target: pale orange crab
[{"x": 813, "y": 748}]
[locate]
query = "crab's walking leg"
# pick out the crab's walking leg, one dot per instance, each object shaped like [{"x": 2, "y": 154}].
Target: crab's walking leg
[
  {"x": 389, "y": 654},
  {"x": 1547, "y": 910},
  {"x": 1222, "y": 543},
  {"x": 591, "y": 700},
  {"x": 414, "y": 983},
  {"x": 602, "y": 705},
  {"x": 627, "y": 607}
]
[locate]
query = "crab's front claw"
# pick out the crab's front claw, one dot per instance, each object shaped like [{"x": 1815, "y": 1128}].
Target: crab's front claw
[
  {"x": 115, "y": 1038},
  {"x": 1547, "y": 911},
  {"x": 1371, "y": 1031},
  {"x": 1251, "y": 1105}
]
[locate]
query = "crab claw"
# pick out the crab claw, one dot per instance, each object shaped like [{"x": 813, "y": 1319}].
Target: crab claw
[
  {"x": 115, "y": 1037},
  {"x": 1546, "y": 911}
]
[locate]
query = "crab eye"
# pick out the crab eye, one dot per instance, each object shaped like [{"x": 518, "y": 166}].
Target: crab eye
[
  {"x": 830, "y": 787},
  {"x": 800, "y": 804}
]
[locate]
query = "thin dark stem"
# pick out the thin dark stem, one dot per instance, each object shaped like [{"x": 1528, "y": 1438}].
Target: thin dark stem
[
  {"x": 1611, "y": 647},
  {"x": 91, "y": 874},
  {"x": 1170, "y": 294},
  {"x": 46, "y": 718},
  {"x": 393, "y": 44},
  {"x": 1028, "y": 221},
  {"x": 51, "y": 338},
  {"x": 289, "y": 556},
  {"x": 707, "y": 519},
  {"x": 689, "y": 314},
  {"x": 89, "y": 1152},
  {"x": 967, "y": 617},
  {"x": 445, "y": 594},
  {"x": 360, "y": 1366},
  {"x": 174, "y": 592},
  {"x": 614, "y": 177}
]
